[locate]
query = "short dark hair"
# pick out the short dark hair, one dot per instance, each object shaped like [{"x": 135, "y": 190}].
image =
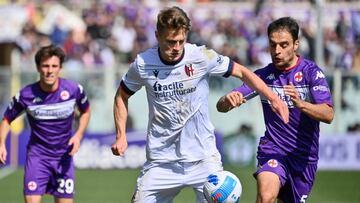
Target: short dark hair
[
  {"x": 172, "y": 18},
  {"x": 47, "y": 52},
  {"x": 285, "y": 23}
]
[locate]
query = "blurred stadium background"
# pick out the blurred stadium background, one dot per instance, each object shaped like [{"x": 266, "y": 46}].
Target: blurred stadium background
[{"x": 101, "y": 38}]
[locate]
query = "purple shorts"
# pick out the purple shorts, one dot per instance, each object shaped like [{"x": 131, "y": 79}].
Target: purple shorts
[
  {"x": 296, "y": 176},
  {"x": 49, "y": 176}
]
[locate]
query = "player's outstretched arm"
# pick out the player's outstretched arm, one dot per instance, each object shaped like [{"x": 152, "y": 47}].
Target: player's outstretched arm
[
  {"x": 252, "y": 80},
  {"x": 120, "y": 117},
  {"x": 229, "y": 101},
  {"x": 76, "y": 138},
  {"x": 4, "y": 130}
]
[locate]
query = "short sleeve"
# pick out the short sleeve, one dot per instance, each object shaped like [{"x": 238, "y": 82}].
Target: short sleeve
[
  {"x": 319, "y": 87},
  {"x": 15, "y": 108},
  {"x": 82, "y": 100},
  {"x": 217, "y": 64},
  {"x": 131, "y": 81}
]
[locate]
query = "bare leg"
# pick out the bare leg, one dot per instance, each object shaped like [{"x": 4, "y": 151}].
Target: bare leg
[
  {"x": 268, "y": 187},
  {"x": 32, "y": 198},
  {"x": 63, "y": 200}
]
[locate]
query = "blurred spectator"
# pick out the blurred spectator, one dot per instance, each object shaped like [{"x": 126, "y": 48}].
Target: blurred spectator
[
  {"x": 342, "y": 28},
  {"x": 355, "y": 19},
  {"x": 240, "y": 147},
  {"x": 98, "y": 21},
  {"x": 355, "y": 128},
  {"x": 356, "y": 56},
  {"x": 356, "y": 60},
  {"x": 333, "y": 48},
  {"x": 307, "y": 38},
  {"x": 124, "y": 35},
  {"x": 58, "y": 35}
]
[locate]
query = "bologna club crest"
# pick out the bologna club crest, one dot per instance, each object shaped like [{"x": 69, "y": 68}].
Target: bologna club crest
[{"x": 189, "y": 70}]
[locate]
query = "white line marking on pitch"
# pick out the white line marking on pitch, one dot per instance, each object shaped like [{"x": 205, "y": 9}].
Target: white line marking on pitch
[{"x": 6, "y": 171}]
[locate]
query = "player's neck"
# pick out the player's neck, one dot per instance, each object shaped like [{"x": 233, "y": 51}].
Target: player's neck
[
  {"x": 292, "y": 65},
  {"x": 49, "y": 88},
  {"x": 167, "y": 62}
]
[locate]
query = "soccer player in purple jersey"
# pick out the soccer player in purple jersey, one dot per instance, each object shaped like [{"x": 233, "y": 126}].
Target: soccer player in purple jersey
[
  {"x": 181, "y": 150},
  {"x": 49, "y": 105},
  {"x": 287, "y": 153}
]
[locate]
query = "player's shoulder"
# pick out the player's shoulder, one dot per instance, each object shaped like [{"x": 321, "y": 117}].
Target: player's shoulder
[
  {"x": 264, "y": 70},
  {"x": 29, "y": 86},
  {"x": 28, "y": 90},
  {"x": 68, "y": 82},
  {"x": 149, "y": 56},
  {"x": 202, "y": 51},
  {"x": 311, "y": 70},
  {"x": 308, "y": 65},
  {"x": 70, "y": 85}
]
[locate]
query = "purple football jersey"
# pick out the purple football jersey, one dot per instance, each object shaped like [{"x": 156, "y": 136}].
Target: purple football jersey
[
  {"x": 300, "y": 137},
  {"x": 50, "y": 115}
]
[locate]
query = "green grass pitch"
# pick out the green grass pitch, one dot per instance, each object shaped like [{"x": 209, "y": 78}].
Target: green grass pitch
[{"x": 116, "y": 186}]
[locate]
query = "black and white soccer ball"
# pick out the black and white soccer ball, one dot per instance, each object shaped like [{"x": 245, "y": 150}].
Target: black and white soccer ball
[{"x": 222, "y": 187}]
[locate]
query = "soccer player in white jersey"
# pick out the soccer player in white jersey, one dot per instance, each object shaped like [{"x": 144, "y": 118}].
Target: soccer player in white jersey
[{"x": 180, "y": 149}]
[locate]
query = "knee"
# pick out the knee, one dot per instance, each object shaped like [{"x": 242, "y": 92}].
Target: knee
[{"x": 266, "y": 197}]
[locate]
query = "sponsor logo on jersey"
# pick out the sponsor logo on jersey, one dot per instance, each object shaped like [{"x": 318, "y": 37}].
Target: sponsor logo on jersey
[
  {"x": 52, "y": 111},
  {"x": 220, "y": 59},
  {"x": 298, "y": 76},
  {"x": 273, "y": 163},
  {"x": 172, "y": 73},
  {"x": 302, "y": 90},
  {"x": 156, "y": 72},
  {"x": 271, "y": 77},
  {"x": 189, "y": 70},
  {"x": 172, "y": 89},
  {"x": 64, "y": 95},
  {"x": 319, "y": 74},
  {"x": 37, "y": 100},
  {"x": 321, "y": 88},
  {"x": 32, "y": 185}
]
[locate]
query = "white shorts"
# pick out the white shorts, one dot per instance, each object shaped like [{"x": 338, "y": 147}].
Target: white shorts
[{"x": 162, "y": 182}]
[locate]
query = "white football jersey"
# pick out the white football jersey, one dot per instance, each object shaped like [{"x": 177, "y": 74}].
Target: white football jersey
[{"x": 179, "y": 127}]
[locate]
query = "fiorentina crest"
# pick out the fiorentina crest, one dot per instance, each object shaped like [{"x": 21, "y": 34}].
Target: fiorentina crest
[{"x": 189, "y": 70}]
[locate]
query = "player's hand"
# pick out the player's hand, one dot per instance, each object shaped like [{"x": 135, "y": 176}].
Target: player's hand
[
  {"x": 281, "y": 108},
  {"x": 119, "y": 147},
  {"x": 75, "y": 142},
  {"x": 3, "y": 154},
  {"x": 234, "y": 99},
  {"x": 291, "y": 91},
  {"x": 230, "y": 101}
]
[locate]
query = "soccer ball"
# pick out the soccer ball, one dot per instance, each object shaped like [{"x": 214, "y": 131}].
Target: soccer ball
[{"x": 222, "y": 187}]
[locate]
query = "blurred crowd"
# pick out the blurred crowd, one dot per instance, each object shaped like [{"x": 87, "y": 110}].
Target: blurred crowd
[{"x": 104, "y": 33}]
